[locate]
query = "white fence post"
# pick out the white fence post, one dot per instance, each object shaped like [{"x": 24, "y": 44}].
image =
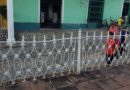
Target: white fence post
[
  {"x": 23, "y": 41},
  {"x": 79, "y": 53}
]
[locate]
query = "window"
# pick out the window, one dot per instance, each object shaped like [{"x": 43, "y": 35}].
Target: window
[{"x": 95, "y": 12}]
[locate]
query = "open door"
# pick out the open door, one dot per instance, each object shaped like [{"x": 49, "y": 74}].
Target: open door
[
  {"x": 50, "y": 13},
  {"x": 126, "y": 11}
]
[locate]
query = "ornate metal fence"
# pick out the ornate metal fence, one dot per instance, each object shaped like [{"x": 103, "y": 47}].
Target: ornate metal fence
[{"x": 56, "y": 57}]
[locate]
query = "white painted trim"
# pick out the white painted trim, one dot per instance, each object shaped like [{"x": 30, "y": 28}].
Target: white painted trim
[
  {"x": 10, "y": 19},
  {"x": 87, "y": 11},
  {"x": 123, "y": 1},
  {"x": 62, "y": 12},
  {"x": 39, "y": 10}
]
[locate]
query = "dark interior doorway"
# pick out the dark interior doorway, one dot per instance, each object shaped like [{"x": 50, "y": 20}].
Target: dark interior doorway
[
  {"x": 95, "y": 12},
  {"x": 51, "y": 13},
  {"x": 126, "y": 11}
]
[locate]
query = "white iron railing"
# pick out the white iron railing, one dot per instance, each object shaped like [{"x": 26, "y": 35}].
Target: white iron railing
[{"x": 50, "y": 58}]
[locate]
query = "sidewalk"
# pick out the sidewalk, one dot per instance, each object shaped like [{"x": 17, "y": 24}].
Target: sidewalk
[
  {"x": 110, "y": 78},
  {"x": 58, "y": 32}
]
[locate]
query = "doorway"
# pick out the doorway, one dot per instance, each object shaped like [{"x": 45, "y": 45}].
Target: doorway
[
  {"x": 126, "y": 9},
  {"x": 95, "y": 12},
  {"x": 50, "y": 13}
]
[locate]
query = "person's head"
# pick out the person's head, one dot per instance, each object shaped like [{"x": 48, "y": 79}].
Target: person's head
[{"x": 111, "y": 33}]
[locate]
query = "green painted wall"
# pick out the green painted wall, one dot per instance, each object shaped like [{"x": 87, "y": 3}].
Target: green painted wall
[
  {"x": 113, "y": 8},
  {"x": 26, "y": 11},
  {"x": 75, "y": 11}
]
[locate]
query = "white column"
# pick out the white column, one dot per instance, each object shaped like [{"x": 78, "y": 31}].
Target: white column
[
  {"x": 39, "y": 10},
  {"x": 87, "y": 11},
  {"x": 62, "y": 11},
  {"x": 79, "y": 53},
  {"x": 10, "y": 19}
]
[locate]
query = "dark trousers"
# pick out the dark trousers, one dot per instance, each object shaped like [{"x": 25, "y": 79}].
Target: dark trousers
[
  {"x": 109, "y": 58},
  {"x": 122, "y": 49}
]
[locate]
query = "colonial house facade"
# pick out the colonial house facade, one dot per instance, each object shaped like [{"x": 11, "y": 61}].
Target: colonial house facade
[{"x": 31, "y": 15}]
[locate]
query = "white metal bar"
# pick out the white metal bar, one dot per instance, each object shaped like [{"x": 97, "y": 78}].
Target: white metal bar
[{"x": 79, "y": 53}]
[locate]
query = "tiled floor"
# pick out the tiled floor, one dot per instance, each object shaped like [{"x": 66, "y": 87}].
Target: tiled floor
[{"x": 111, "y": 78}]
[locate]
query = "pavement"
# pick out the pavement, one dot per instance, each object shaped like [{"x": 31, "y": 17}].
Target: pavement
[
  {"x": 58, "y": 32},
  {"x": 109, "y": 78}
]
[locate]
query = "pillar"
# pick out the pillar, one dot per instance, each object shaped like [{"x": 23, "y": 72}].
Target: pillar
[{"x": 10, "y": 22}]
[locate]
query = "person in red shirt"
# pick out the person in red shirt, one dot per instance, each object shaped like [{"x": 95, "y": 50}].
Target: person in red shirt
[
  {"x": 110, "y": 49},
  {"x": 114, "y": 32}
]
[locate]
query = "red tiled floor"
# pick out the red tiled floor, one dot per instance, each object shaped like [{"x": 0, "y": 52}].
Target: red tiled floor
[
  {"x": 124, "y": 88},
  {"x": 94, "y": 80},
  {"x": 123, "y": 79},
  {"x": 88, "y": 86},
  {"x": 1, "y": 88},
  {"x": 108, "y": 84},
  {"x": 40, "y": 85},
  {"x": 22, "y": 86},
  {"x": 112, "y": 72},
  {"x": 78, "y": 78}
]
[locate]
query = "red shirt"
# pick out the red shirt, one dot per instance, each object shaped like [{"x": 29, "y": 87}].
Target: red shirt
[
  {"x": 110, "y": 46},
  {"x": 117, "y": 42},
  {"x": 113, "y": 29}
]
